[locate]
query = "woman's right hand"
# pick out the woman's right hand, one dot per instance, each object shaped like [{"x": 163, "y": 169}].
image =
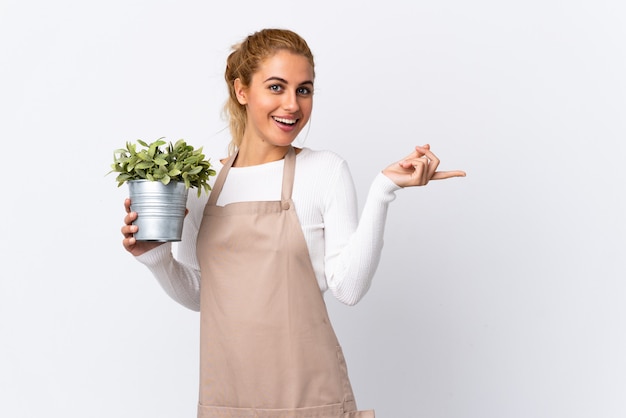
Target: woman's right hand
[{"x": 131, "y": 245}]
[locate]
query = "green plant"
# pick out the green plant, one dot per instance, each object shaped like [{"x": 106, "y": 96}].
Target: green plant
[{"x": 174, "y": 162}]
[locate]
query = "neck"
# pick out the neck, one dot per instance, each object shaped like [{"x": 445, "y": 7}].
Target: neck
[{"x": 254, "y": 155}]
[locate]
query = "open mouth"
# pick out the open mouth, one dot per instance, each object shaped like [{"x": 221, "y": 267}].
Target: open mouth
[{"x": 284, "y": 121}]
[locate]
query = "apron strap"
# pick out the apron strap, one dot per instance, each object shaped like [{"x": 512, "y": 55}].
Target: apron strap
[
  {"x": 289, "y": 170},
  {"x": 221, "y": 178}
]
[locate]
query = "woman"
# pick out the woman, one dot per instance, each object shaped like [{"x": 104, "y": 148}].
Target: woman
[{"x": 279, "y": 228}]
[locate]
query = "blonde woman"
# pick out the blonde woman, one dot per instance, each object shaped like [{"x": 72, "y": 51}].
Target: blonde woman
[{"x": 279, "y": 229}]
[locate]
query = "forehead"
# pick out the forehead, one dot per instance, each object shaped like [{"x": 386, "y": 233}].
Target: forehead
[{"x": 294, "y": 68}]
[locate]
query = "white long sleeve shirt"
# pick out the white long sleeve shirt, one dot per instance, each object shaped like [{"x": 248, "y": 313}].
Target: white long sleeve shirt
[{"x": 344, "y": 251}]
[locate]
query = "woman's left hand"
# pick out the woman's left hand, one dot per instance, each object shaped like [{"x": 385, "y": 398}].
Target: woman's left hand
[{"x": 418, "y": 168}]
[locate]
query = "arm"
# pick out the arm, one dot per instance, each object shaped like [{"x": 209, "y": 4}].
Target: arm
[
  {"x": 180, "y": 281},
  {"x": 352, "y": 246},
  {"x": 180, "y": 278}
]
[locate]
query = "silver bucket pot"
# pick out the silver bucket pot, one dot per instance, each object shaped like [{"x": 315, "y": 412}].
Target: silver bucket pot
[{"x": 160, "y": 209}]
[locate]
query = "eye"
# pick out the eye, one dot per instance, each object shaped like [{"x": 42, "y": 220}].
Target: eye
[
  {"x": 303, "y": 91},
  {"x": 275, "y": 88}
]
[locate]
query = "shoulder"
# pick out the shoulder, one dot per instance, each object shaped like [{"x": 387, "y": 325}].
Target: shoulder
[
  {"x": 322, "y": 172},
  {"x": 325, "y": 160}
]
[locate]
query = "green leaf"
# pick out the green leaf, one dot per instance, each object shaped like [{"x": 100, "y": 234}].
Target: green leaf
[
  {"x": 160, "y": 161},
  {"x": 195, "y": 170},
  {"x": 145, "y": 164}
]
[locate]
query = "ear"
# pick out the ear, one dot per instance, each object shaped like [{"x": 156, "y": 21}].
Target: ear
[{"x": 240, "y": 92}]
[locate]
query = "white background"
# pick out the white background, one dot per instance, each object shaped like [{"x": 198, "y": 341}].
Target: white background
[{"x": 501, "y": 294}]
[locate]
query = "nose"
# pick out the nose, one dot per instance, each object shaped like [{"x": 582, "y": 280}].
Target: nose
[{"x": 290, "y": 101}]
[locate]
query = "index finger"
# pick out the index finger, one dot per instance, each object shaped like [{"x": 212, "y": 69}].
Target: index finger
[{"x": 441, "y": 175}]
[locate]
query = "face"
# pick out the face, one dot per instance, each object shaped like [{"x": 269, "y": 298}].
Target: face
[{"x": 279, "y": 99}]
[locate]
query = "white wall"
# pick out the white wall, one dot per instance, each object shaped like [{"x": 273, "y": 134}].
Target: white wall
[{"x": 499, "y": 295}]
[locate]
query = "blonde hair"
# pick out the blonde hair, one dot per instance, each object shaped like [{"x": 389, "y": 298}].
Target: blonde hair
[{"x": 244, "y": 61}]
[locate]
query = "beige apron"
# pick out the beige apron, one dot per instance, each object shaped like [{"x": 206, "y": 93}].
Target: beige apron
[{"x": 268, "y": 349}]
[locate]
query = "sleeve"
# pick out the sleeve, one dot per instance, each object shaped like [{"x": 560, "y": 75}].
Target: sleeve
[
  {"x": 352, "y": 246},
  {"x": 180, "y": 277}
]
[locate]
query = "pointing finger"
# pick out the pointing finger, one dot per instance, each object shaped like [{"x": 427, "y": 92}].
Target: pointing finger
[{"x": 441, "y": 175}]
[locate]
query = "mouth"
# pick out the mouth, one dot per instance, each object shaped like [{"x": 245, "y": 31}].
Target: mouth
[{"x": 285, "y": 121}]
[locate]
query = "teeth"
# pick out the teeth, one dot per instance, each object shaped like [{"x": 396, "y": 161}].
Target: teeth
[{"x": 286, "y": 121}]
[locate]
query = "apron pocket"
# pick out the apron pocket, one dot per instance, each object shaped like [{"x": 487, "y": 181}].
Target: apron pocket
[
  {"x": 326, "y": 411},
  {"x": 348, "y": 395},
  {"x": 359, "y": 414}
]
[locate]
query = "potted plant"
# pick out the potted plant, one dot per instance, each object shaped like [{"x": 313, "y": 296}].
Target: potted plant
[{"x": 159, "y": 176}]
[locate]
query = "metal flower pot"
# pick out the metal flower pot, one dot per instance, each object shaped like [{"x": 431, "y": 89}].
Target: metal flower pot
[{"x": 160, "y": 209}]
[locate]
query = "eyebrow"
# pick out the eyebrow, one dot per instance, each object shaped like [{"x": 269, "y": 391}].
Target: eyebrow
[{"x": 282, "y": 80}]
